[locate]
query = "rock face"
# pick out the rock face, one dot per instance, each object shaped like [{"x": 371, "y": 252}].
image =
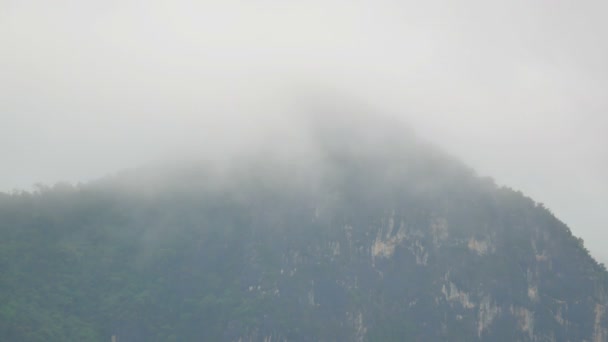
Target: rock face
[{"x": 391, "y": 241}]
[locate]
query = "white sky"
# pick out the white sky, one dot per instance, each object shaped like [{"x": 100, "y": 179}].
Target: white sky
[{"x": 517, "y": 89}]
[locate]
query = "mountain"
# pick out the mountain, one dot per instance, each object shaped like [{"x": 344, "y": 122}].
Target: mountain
[{"x": 362, "y": 233}]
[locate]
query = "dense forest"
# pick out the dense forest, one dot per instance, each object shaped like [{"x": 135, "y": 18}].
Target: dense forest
[{"x": 382, "y": 238}]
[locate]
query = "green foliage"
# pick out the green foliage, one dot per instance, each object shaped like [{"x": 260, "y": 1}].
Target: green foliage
[{"x": 265, "y": 256}]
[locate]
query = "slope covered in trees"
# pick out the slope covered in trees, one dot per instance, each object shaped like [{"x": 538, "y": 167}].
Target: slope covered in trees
[{"x": 376, "y": 238}]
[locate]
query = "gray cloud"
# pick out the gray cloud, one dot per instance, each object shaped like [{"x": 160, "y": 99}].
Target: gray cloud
[{"x": 516, "y": 89}]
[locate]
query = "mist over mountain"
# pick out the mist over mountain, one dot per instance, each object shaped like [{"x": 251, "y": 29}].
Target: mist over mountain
[
  {"x": 354, "y": 230},
  {"x": 516, "y": 89}
]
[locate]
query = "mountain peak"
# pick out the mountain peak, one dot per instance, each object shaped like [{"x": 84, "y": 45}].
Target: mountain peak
[{"x": 378, "y": 237}]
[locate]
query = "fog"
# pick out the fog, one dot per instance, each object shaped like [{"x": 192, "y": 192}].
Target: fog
[{"x": 515, "y": 89}]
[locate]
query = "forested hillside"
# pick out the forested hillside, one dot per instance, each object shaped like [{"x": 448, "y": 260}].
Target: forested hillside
[{"x": 380, "y": 238}]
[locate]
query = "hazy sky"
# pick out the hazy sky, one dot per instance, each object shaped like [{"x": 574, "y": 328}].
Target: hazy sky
[{"x": 517, "y": 89}]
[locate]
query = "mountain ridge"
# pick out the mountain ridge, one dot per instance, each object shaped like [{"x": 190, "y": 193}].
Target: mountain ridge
[{"x": 369, "y": 235}]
